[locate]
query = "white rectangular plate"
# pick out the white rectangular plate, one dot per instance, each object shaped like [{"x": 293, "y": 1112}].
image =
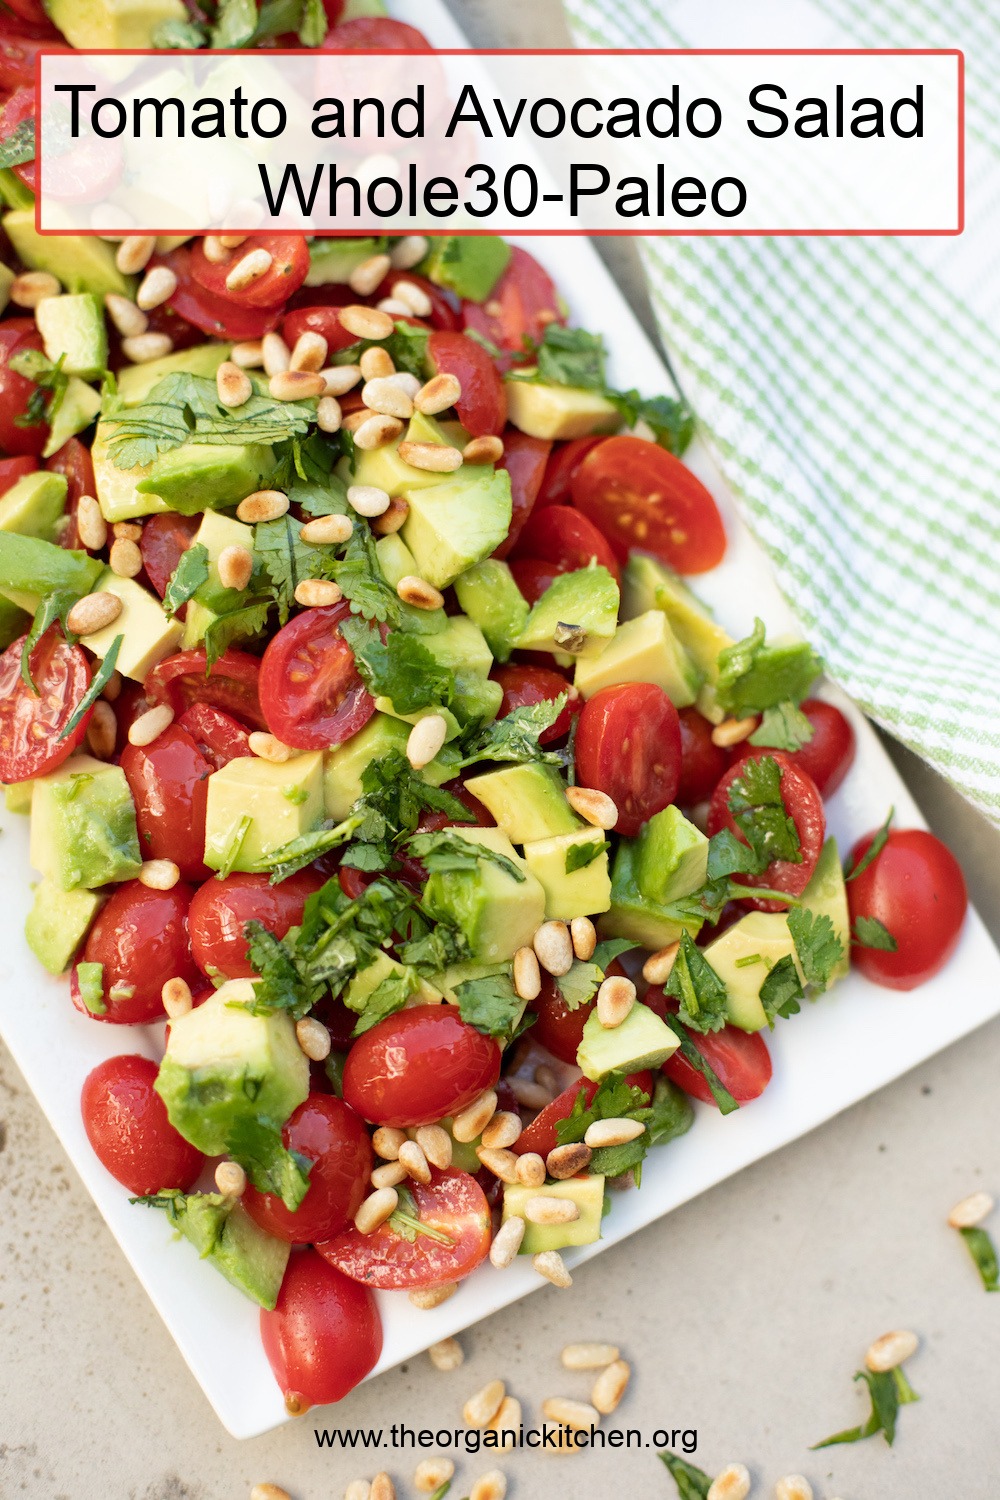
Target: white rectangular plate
[{"x": 820, "y": 1066}]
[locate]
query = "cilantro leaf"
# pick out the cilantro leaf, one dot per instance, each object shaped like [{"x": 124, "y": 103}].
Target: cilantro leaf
[
  {"x": 692, "y": 1483},
  {"x": 614, "y": 1098},
  {"x": 984, "y": 1256},
  {"x": 447, "y": 853},
  {"x": 754, "y": 676},
  {"x": 888, "y": 1391},
  {"x": 98, "y": 683},
  {"x": 580, "y": 984},
  {"x": 19, "y": 147},
  {"x": 869, "y": 932},
  {"x": 388, "y": 996},
  {"x": 490, "y": 1004},
  {"x": 757, "y": 809},
  {"x": 287, "y": 560},
  {"x": 237, "y": 625},
  {"x": 178, "y": 36},
  {"x": 728, "y": 855},
  {"x": 672, "y": 421},
  {"x": 672, "y": 1113},
  {"x": 182, "y": 408},
  {"x": 52, "y": 607},
  {"x": 781, "y": 991},
  {"x": 48, "y": 377},
  {"x": 723, "y": 1098},
  {"x": 400, "y": 669},
  {"x": 515, "y": 737},
  {"x": 817, "y": 945},
  {"x": 282, "y": 986},
  {"x": 874, "y": 849},
  {"x": 611, "y": 948},
  {"x": 698, "y": 988},
  {"x": 783, "y": 727},
  {"x": 188, "y": 576},
  {"x": 406, "y": 346},
  {"x": 326, "y": 498},
  {"x": 579, "y": 856},
  {"x": 257, "y": 1145},
  {"x": 406, "y": 1221},
  {"x": 362, "y": 581},
  {"x": 571, "y": 356},
  {"x": 393, "y": 798},
  {"x": 301, "y": 851}
]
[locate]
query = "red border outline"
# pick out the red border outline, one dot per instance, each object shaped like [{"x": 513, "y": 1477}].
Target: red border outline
[{"x": 519, "y": 230}]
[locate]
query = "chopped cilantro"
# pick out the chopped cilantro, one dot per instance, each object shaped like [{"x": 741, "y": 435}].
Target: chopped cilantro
[
  {"x": 672, "y": 421},
  {"x": 287, "y": 560},
  {"x": 447, "y": 852},
  {"x": 817, "y": 946},
  {"x": 400, "y": 669},
  {"x": 690, "y": 1053},
  {"x": 406, "y": 1221},
  {"x": 874, "y": 849},
  {"x": 692, "y": 1483},
  {"x": 51, "y": 608},
  {"x": 98, "y": 683},
  {"x": 188, "y": 576},
  {"x": 869, "y": 932},
  {"x": 580, "y": 984},
  {"x": 490, "y": 1004},
  {"x": 698, "y": 988},
  {"x": 388, "y": 996},
  {"x": 984, "y": 1256},
  {"x": 257, "y": 1145},
  {"x": 613, "y": 1099},
  {"x": 514, "y": 738},
  {"x": 282, "y": 984},
  {"x": 233, "y": 846},
  {"x": 781, "y": 991},
  {"x": 362, "y": 581},
  {"x": 888, "y": 1391},
  {"x": 186, "y": 408},
  {"x": 757, "y": 809},
  {"x": 393, "y": 798},
  {"x": 579, "y": 856},
  {"x": 295, "y": 794},
  {"x": 783, "y": 727},
  {"x": 51, "y": 383},
  {"x": 301, "y": 851},
  {"x": 754, "y": 676},
  {"x": 19, "y": 147},
  {"x": 237, "y": 625}
]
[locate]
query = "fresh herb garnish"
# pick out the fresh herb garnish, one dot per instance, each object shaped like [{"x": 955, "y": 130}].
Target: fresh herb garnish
[
  {"x": 888, "y": 1390},
  {"x": 19, "y": 147},
  {"x": 406, "y": 1221},
  {"x": 579, "y": 856},
  {"x": 188, "y": 576},
  {"x": 362, "y": 581},
  {"x": 186, "y": 408},
  {"x": 389, "y": 995},
  {"x": 817, "y": 946},
  {"x": 695, "y": 984},
  {"x": 758, "y": 810},
  {"x": 234, "y": 845},
  {"x": 783, "y": 727},
  {"x": 400, "y": 669},
  {"x": 869, "y": 932},
  {"x": 692, "y": 1483},
  {"x": 781, "y": 991},
  {"x": 52, "y": 607},
  {"x": 447, "y": 852},
  {"x": 755, "y": 676},
  {"x": 98, "y": 683},
  {"x": 51, "y": 382},
  {"x": 984, "y": 1256},
  {"x": 257, "y": 1145},
  {"x": 874, "y": 849},
  {"x": 286, "y": 560},
  {"x": 514, "y": 738},
  {"x": 490, "y": 1004},
  {"x": 690, "y": 1053}
]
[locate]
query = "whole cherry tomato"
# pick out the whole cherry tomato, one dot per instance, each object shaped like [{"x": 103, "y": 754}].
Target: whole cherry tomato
[
  {"x": 419, "y": 1065},
  {"x": 916, "y": 890},
  {"x": 329, "y": 1134},
  {"x": 140, "y": 937},
  {"x": 323, "y": 1336},
  {"x": 220, "y": 910},
  {"x": 169, "y": 784},
  {"x": 126, "y": 1124},
  {"x": 628, "y": 745}
]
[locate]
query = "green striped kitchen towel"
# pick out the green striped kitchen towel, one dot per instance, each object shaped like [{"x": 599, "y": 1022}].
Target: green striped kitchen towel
[{"x": 850, "y": 392}]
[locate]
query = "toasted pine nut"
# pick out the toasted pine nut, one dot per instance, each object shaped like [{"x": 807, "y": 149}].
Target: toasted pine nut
[
  {"x": 230, "y": 1179},
  {"x": 406, "y": 382},
  {"x": 93, "y": 612},
  {"x": 235, "y": 566},
  {"x": 249, "y": 355},
  {"x": 441, "y": 392},
  {"x": 134, "y": 252},
  {"x": 159, "y": 874},
  {"x": 389, "y": 1175},
  {"x": 150, "y": 725},
  {"x": 32, "y": 287},
  {"x": 269, "y": 1492},
  {"x": 423, "y": 743},
  {"x": 971, "y": 1211},
  {"x": 233, "y": 384},
  {"x": 382, "y": 395},
  {"x": 102, "y": 731},
  {"x": 483, "y": 450},
  {"x": 127, "y": 531},
  {"x": 596, "y": 808},
  {"x": 890, "y": 1350},
  {"x": 408, "y": 252},
  {"x": 329, "y": 417},
  {"x": 489, "y": 1486},
  {"x": 615, "y": 999},
  {"x": 530, "y": 1169},
  {"x": 564, "y": 1162},
  {"x": 91, "y": 524},
  {"x": 484, "y": 1405},
  {"x": 249, "y": 268},
  {"x": 529, "y": 1093},
  {"x": 129, "y": 320},
  {"x": 432, "y": 1473},
  {"x": 584, "y": 937},
  {"x": 382, "y": 1488},
  {"x": 113, "y": 687},
  {"x": 793, "y": 1487},
  {"x": 366, "y": 322},
  {"x": 313, "y": 1037},
  {"x": 376, "y": 1208},
  {"x": 579, "y": 1415},
  {"x": 502, "y": 1131},
  {"x": 355, "y": 419},
  {"x": 554, "y": 948},
  {"x": 358, "y": 1489},
  {"x": 158, "y": 284},
  {"x": 368, "y": 274},
  {"x": 507, "y": 1242},
  {"x": 393, "y": 307},
  {"x": 375, "y": 431},
  {"x": 176, "y": 997},
  {"x": 387, "y": 1141},
  {"x": 376, "y": 363},
  {"x": 327, "y": 531},
  {"x": 413, "y": 298},
  {"x": 268, "y": 747},
  {"x": 588, "y": 1356},
  {"x": 550, "y": 1264},
  {"x": 502, "y": 1164},
  {"x": 526, "y": 973},
  {"x": 341, "y": 378},
  {"x": 656, "y": 969},
  {"x": 544, "y": 1209},
  {"x": 613, "y": 1132},
  {"x": 429, "y": 1297},
  {"x": 733, "y": 1483},
  {"x": 262, "y": 505},
  {"x": 317, "y": 593},
  {"x": 413, "y": 1159},
  {"x": 446, "y": 1354},
  {"x": 275, "y": 354},
  {"x": 733, "y": 731},
  {"x": 232, "y": 241},
  {"x": 419, "y": 593},
  {"x": 609, "y": 1387},
  {"x": 507, "y": 1420},
  {"x": 144, "y": 347},
  {"x": 309, "y": 353},
  {"x": 393, "y": 517},
  {"x": 436, "y": 1144},
  {"x": 214, "y": 250},
  {"x": 436, "y": 458},
  {"x": 474, "y": 1118},
  {"x": 296, "y": 385}
]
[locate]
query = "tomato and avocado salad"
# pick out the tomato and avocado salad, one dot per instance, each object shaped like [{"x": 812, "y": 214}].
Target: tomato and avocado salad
[{"x": 374, "y": 743}]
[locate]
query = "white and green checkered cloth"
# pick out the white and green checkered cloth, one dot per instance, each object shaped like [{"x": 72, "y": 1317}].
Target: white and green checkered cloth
[{"x": 850, "y": 391}]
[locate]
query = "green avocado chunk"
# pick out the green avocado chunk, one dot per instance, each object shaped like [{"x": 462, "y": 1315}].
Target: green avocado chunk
[
  {"x": 82, "y": 262},
  {"x": 83, "y": 829},
  {"x": 577, "y": 614},
  {"x": 73, "y": 330},
  {"x": 456, "y": 523},
  {"x": 490, "y": 597},
  {"x": 671, "y": 857},
  {"x": 587, "y": 1192},
  {"x": 468, "y": 265},
  {"x": 58, "y": 922},
  {"x": 204, "y": 476},
  {"x": 641, "y": 1041},
  {"x": 34, "y": 505},
  {"x": 80, "y": 405},
  {"x": 224, "y": 1234},
  {"x": 337, "y": 260},
  {"x": 558, "y": 411},
  {"x": 642, "y": 650},
  {"x": 633, "y": 915},
  {"x": 571, "y": 889},
  {"x": 31, "y": 567},
  {"x": 649, "y": 584},
  {"x": 528, "y": 801},
  {"x": 14, "y": 622},
  {"x": 497, "y": 913},
  {"x": 111, "y": 25}
]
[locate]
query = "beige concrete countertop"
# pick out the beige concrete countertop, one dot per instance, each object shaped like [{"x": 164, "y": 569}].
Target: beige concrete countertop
[{"x": 744, "y": 1313}]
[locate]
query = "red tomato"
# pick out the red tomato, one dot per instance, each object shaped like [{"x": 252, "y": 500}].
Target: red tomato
[
  {"x": 141, "y": 937},
  {"x": 521, "y": 305},
  {"x": 218, "y": 316},
  {"x": 523, "y": 686},
  {"x": 169, "y": 784},
  {"x": 17, "y": 61},
  {"x": 13, "y": 469},
  {"x": 482, "y": 407},
  {"x": 702, "y": 762},
  {"x": 33, "y": 12},
  {"x": 289, "y": 264},
  {"x": 444, "y": 315},
  {"x": 739, "y": 1059},
  {"x": 310, "y": 689},
  {"x": 30, "y": 725},
  {"x": 533, "y": 576},
  {"x": 230, "y": 685},
  {"x": 453, "y": 1204},
  {"x": 220, "y": 910},
  {"x": 828, "y": 756},
  {"x": 628, "y": 744},
  {"x": 219, "y": 738},
  {"x": 803, "y": 805},
  {"x": 323, "y": 1336},
  {"x": 419, "y": 1065},
  {"x": 127, "y": 1126},
  {"x": 354, "y": 883},
  {"x": 557, "y": 1027},
  {"x": 73, "y": 460},
  {"x": 642, "y": 496},
  {"x": 568, "y": 540},
  {"x": 329, "y": 1133},
  {"x": 566, "y": 459},
  {"x": 541, "y": 1136},
  {"x": 165, "y": 539},
  {"x": 322, "y": 320},
  {"x": 16, "y": 335},
  {"x": 374, "y": 34},
  {"x": 524, "y": 458},
  {"x": 916, "y": 889},
  {"x": 18, "y": 108}
]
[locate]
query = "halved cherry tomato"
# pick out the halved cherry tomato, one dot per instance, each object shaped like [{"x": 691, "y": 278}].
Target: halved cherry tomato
[
  {"x": 310, "y": 689},
  {"x": 523, "y": 686},
  {"x": 532, "y": 576},
  {"x": 419, "y": 1065},
  {"x": 73, "y": 460},
  {"x": 803, "y": 805},
  {"x": 140, "y": 936},
  {"x": 13, "y": 469},
  {"x": 628, "y": 744},
  {"x": 639, "y": 495},
  {"x": 739, "y": 1059},
  {"x": 565, "y": 538},
  {"x": 374, "y": 34},
  {"x": 482, "y": 406},
  {"x": 220, "y": 910},
  {"x": 16, "y": 335},
  {"x": 828, "y": 756},
  {"x": 219, "y": 738},
  {"x": 316, "y": 319},
  {"x": 702, "y": 762},
  {"x": 541, "y": 1136},
  {"x": 323, "y": 1336},
  {"x": 289, "y": 265},
  {"x": 521, "y": 305},
  {"x": 231, "y": 684},
  {"x": 18, "y": 108},
  {"x": 30, "y": 724},
  {"x": 169, "y": 784},
  {"x": 165, "y": 539},
  {"x": 222, "y": 318},
  {"x": 451, "y": 1204},
  {"x": 524, "y": 458},
  {"x": 329, "y": 1134},
  {"x": 354, "y": 883},
  {"x": 916, "y": 889},
  {"x": 127, "y": 1126},
  {"x": 566, "y": 458}
]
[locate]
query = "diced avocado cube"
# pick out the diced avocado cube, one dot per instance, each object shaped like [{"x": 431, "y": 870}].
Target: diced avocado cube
[
  {"x": 224, "y": 1234},
  {"x": 470, "y": 265},
  {"x": 14, "y": 194},
  {"x": 79, "y": 406},
  {"x": 30, "y": 567},
  {"x": 58, "y": 922},
  {"x": 558, "y": 411},
  {"x": 642, "y": 650},
  {"x": 395, "y": 559},
  {"x": 148, "y": 635},
  {"x": 477, "y": 699},
  {"x": 223, "y": 1066},
  {"x": 116, "y": 488},
  {"x": 282, "y": 801},
  {"x": 571, "y": 892},
  {"x": 215, "y": 534},
  {"x": 633, "y": 915},
  {"x": 671, "y": 857},
  {"x": 641, "y": 1041},
  {"x": 17, "y": 797},
  {"x": 448, "y": 980},
  {"x": 761, "y": 936},
  {"x": 368, "y": 979},
  {"x": 6, "y": 277},
  {"x": 577, "y": 615},
  {"x": 648, "y": 584},
  {"x": 336, "y": 260},
  {"x": 34, "y": 504},
  {"x": 198, "y": 619},
  {"x": 383, "y": 466},
  {"x": 490, "y": 597},
  {"x": 83, "y": 830},
  {"x": 82, "y": 262},
  {"x": 461, "y": 645},
  {"x": 456, "y": 523},
  {"x": 497, "y": 913},
  {"x": 201, "y": 476},
  {"x": 826, "y": 896},
  {"x": 110, "y": 25},
  {"x": 73, "y": 330},
  {"x": 528, "y": 801},
  {"x": 136, "y": 381},
  {"x": 586, "y": 1192}
]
